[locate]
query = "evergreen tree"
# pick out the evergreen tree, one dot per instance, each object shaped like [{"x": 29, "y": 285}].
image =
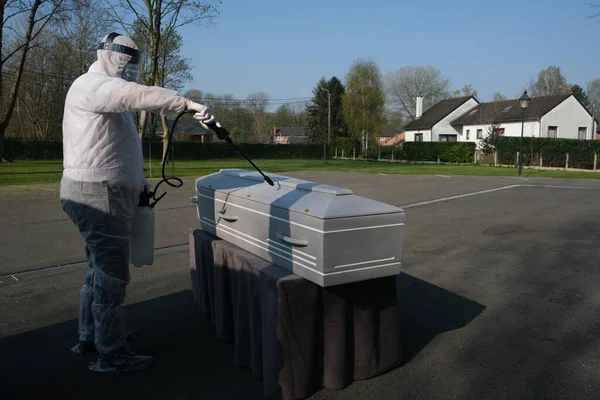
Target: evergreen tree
[
  {"x": 318, "y": 112},
  {"x": 581, "y": 95}
]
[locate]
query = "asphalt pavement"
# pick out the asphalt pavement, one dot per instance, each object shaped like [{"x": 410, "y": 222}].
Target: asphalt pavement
[{"x": 498, "y": 298}]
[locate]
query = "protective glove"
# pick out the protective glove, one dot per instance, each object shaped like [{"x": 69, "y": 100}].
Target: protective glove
[{"x": 202, "y": 113}]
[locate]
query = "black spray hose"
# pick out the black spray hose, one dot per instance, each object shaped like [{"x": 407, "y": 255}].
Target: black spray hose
[{"x": 221, "y": 133}]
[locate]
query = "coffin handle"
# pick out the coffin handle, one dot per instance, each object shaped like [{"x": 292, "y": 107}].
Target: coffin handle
[
  {"x": 227, "y": 218},
  {"x": 292, "y": 241}
]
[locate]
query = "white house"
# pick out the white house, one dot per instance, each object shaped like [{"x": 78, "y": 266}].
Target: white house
[
  {"x": 434, "y": 125},
  {"x": 556, "y": 116}
]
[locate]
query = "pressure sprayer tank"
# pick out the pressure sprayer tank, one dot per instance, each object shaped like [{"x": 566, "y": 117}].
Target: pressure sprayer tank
[{"x": 141, "y": 246}]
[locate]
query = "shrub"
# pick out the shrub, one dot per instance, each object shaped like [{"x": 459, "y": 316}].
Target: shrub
[{"x": 452, "y": 152}]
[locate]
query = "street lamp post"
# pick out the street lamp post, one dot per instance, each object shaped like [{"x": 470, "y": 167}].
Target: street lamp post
[{"x": 524, "y": 100}]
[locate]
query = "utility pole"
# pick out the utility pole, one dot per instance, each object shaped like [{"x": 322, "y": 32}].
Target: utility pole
[
  {"x": 328, "y": 116},
  {"x": 593, "y": 135}
]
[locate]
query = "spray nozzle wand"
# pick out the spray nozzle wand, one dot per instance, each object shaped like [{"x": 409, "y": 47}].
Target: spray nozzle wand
[{"x": 221, "y": 133}]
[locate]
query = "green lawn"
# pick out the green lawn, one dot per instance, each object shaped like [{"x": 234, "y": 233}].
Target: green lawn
[{"x": 34, "y": 172}]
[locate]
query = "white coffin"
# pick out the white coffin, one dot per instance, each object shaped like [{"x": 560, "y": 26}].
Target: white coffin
[{"x": 323, "y": 233}]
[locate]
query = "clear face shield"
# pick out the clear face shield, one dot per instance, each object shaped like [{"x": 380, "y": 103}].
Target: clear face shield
[{"x": 133, "y": 69}]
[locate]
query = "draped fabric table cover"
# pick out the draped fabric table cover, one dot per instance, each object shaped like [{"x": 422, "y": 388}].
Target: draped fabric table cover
[{"x": 294, "y": 335}]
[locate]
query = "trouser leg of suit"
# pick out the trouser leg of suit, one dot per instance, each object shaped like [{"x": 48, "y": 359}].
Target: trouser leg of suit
[
  {"x": 103, "y": 214},
  {"x": 86, "y": 319}
]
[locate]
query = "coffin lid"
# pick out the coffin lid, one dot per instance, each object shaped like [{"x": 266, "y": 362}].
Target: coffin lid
[
  {"x": 288, "y": 182},
  {"x": 292, "y": 195}
]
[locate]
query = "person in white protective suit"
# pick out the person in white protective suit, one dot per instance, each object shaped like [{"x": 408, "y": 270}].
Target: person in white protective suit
[{"x": 101, "y": 185}]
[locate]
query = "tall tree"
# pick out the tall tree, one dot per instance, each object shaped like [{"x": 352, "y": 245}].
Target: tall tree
[
  {"x": 257, "y": 104},
  {"x": 395, "y": 120},
  {"x": 593, "y": 92},
  {"x": 550, "y": 81},
  {"x": 284, "y": 116},
  {"x": 301, "y": 114},
  {"x": 406, "y": 84},
  {"x": 581, "y": 95},
  {"x": 497, "y": 96},
  {"x": 326, "y": 91},
  {"x": 173, "y": 69},
  {"x": 364, "y": 101},
  {"x": 77, "y": 40},
  {"x": 159, "y": 20},
  {"x": 230, "y": 112},
  {"x": 467, "y": 90},
  {"x": 40, "y": 101},
  {"x": 38, "y": 15}
]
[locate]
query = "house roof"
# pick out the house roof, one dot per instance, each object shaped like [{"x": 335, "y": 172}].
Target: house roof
[
  {"x": 397, "y": 139},
  {"x": 290, "y": 131},
  {"x": 510, "y": 110},
  {"x": 436, "y": 113}
]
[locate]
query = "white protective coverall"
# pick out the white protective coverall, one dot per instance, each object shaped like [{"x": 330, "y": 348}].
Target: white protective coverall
[{"x": 100, "y": 189}]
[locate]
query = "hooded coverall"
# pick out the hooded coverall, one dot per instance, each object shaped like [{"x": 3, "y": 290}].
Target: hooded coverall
[{"x": 100, "y": 189}]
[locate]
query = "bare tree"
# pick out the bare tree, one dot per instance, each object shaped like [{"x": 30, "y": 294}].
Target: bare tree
[
  {"x": 77, "y": 41},
  {"x": 61, "y": 53},
  {"x": 406, "y": 84},
  {"x": 159, "y": 19},
  {"x": 550, "y": 81},
  {"x": 467, "y": 90},
  {"x": 593, "y": 92},
  {"x": 497, "y": 96},
  {"x": 38, "y": 14},
  {"x": 257, "y": 104}
]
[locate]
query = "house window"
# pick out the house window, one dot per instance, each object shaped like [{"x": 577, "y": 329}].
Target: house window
[
  {"x": 468, "y": 134},
  {"x": 553, "y": 132},
  {"x": 499, "y": 131},
  {"x": 582, "y": 133},
  {"x": 479, "y": 133},
  {"x": 418, "y": 137},
  {"x": 447, "y": 138}
]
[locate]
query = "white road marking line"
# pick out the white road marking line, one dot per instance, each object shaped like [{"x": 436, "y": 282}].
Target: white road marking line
[{"x": 459, "y": 196}]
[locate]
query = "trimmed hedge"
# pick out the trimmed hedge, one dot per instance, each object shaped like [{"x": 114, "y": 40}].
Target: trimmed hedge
[
  {"x": 452, "y": 152},
  {"x": 552, "y": 151},
  {"x": 53, "y": 150},
  {"x": 33, "y": 149},
  {"x": 345, "y": 144},
  {"x": 385, "y": 153}
]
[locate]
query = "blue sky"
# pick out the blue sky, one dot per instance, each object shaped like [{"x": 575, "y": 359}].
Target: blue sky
[{"x": 284, "y": 47}]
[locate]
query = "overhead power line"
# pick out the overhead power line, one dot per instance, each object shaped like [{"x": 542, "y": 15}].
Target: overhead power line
[{"x": 38, "y": 76}]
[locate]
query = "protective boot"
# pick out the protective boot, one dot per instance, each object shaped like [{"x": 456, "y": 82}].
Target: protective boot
[{"x": 121, "y": 361}]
